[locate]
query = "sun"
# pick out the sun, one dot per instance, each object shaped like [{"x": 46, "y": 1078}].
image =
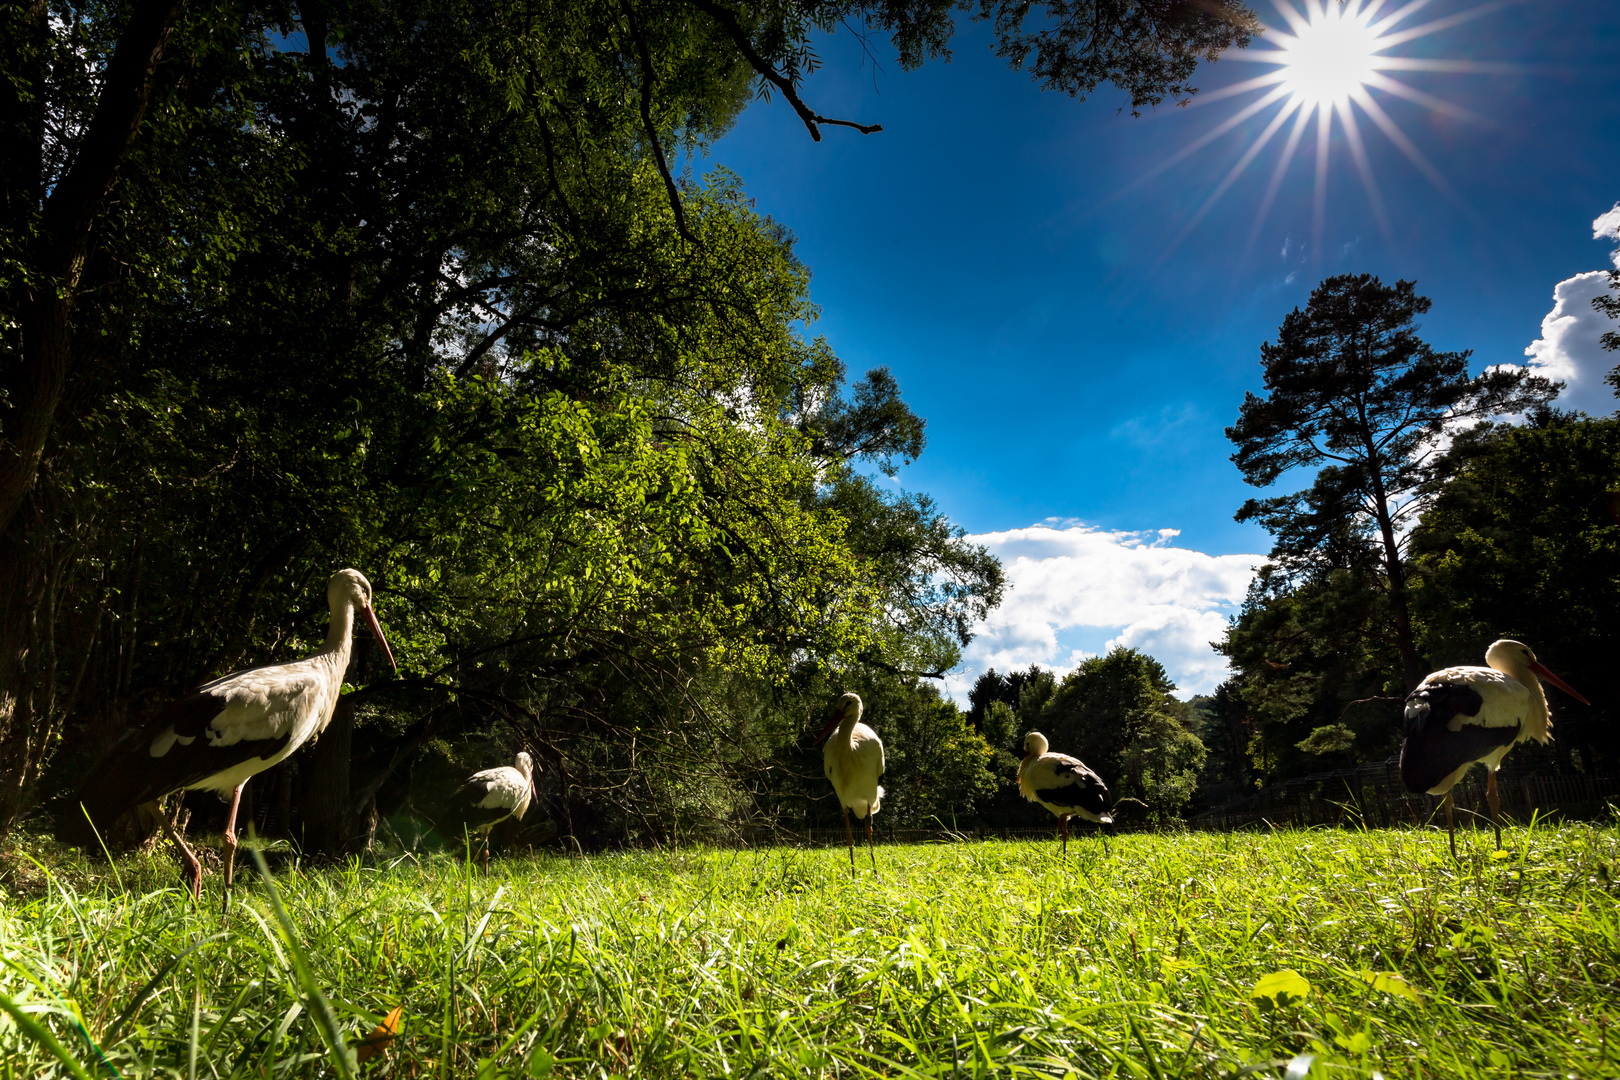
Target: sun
[
  {"x": 1330, "y": 61},
  {"x": 1330, "y": 57}
]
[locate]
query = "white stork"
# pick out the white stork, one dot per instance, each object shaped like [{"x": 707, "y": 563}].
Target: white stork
[
  {"x": 853, "y": 758},
  {"x": 488, "y": 798},
  {"x": 1062, "y": 784},
  {"x": 1463, "y": 715},
  {"x": 226, "y": 731}
]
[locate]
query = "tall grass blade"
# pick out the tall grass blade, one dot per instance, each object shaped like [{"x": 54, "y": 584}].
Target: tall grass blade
[
  {"x": 42, "y": 1035},
  {"x": 325, "y": 1022},
  {"x": 111, "y": 1038}
]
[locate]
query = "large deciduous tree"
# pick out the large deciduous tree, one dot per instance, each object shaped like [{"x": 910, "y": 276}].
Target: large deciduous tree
[
  {"x": 1117, "y": 713},
  {"x": 1353, "y": 392},
  {"x": 413, "y": 284}
]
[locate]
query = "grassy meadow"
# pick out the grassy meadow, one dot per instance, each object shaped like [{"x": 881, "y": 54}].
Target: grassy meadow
[{"x": 1320, "y": 953}]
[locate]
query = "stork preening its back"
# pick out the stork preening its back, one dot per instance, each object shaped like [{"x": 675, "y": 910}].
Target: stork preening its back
[
  {"x": 226, "y": 731},
  {"x": 488, "y": 798},
  {"x": 1062, "y": 784},
  {"x": 853, "y": 760},
  {"x": 1462, "y": 715}
]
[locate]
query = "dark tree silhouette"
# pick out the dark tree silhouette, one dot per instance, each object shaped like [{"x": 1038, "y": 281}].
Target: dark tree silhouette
[{"x": 1352, "y": 391}]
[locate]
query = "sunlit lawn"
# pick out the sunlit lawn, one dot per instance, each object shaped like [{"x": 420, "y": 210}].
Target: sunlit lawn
[{"x": 1140, "y": 957}]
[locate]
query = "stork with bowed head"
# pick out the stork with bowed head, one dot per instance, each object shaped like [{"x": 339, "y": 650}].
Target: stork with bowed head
[
  {"x": 490, "y": 797},
  {"x": 1062, "y": 784},
  {"x": 223, "y": 733},
  {"x": 853, "y": 759},
  {"x": 1463, "y": 715}
]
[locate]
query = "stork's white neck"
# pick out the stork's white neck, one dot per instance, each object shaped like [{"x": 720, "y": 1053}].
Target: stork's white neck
[
  {"x": 1537, "y": 717},
  {"x": 340, "y": 634}
]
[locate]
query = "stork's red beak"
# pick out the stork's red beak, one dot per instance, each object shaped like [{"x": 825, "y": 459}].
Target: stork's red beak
[
  {"x": 832, "y": 726},
  {"x": 1547, "y": 676},
  {"x": 376, "y": 632}
]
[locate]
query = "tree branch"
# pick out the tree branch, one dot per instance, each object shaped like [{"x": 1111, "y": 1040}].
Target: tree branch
[
  {"x": 647, "y": 123},
  {"x": 728, "y": 22}
]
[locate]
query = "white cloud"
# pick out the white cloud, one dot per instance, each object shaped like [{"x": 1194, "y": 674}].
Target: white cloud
[
  {"x": 1569, "y": 350},
  {"x": 1608, "y": 225},
  {"x": 1065, "y": 577}
]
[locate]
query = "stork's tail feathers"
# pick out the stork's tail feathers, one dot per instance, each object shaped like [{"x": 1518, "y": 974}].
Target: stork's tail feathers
[
  {"x": 111, "y": 786},
  {"x": 877, "y": 803}
]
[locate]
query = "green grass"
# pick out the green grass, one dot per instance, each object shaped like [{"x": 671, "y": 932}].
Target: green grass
[{"x": 1135, "y": 959}]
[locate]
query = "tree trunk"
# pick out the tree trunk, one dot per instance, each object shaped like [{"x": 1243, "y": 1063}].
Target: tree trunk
[
  {"x": 16, "y": 682},
  {"x": 1395, "y": 573},
  {"x": 330, "y": 827}
]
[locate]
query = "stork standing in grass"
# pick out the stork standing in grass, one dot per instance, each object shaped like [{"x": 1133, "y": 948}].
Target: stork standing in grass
[
  {"x": 1062, "y": 784},
  {"x": 1463, "y": 715},
  {"x": 490, "y": 797},
  {"x": 223, "y": 733},
  {"x": 853, "y": 759}
]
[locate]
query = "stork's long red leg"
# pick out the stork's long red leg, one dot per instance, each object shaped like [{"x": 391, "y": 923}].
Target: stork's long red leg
[
  {"x": 1451, "y": 825},
  {"x": 1496, "y": 805},
  {"x": 1065, "y": 822},
  {"x": 869, "y": 849},
  {"x": 850, "y": 836},
  {"x": 230, "y": 837},
  {"x": 193, "y": 867}
]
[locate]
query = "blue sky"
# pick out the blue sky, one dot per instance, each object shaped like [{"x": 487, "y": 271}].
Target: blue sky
[{"x": 1077, "y": 350}]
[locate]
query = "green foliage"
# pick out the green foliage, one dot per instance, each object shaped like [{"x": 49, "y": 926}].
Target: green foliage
[
  {"x": 1311, "y": 654},
  {"x": 1329, "y": 740},
  {"x": 1325, "y": 646},
  {"x": 1117, "y": 714},
  {"x": 1520, "y": 544},
  {"x": 939, "y": 769},
  {"x": 1610, "y": 305},
  {"x": 694, "y": 962}
]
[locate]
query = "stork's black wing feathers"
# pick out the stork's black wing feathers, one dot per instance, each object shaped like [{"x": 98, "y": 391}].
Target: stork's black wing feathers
[
  {"x": 1434, "y": 752},
  {"x": 1085, "y": 790},
  {"x": 128, "y": 775},
  {"x": 1439, "y": 703},
  {"x": 462, "y": 813}
]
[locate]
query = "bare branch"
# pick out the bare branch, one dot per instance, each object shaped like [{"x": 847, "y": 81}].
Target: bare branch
[{"x": 728, "y": 22}]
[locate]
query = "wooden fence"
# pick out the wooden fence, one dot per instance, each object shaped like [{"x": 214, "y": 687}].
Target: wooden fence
[
  {"x": 1373, "y": 797},
  {"x": 1370, "y": 796}
]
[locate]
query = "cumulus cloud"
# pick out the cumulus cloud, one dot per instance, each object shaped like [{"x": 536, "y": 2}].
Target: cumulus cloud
[
  {"x": 1569, "y": 348},
  {"x": 1112, "y": 588},
  {"x": 1608, "y": 226}
]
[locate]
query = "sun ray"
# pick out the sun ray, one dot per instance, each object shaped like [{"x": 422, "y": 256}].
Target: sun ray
[
  {"x": 1383, "y": 26},
  {"x": 1269, "y": 79},
  {"x": 1395, "y": 135},
  {"x": 1329, "y": 59},
  {"x": 1455, "y": 67},
  {"x": 1301, "y": 120},
  {"x": 1324, "y": 133},
  {"x": 1400, "y": 37},
  {"x": 1358, "y": 153},
  {"x": 1208, "y": 137},
  {"x": 1231, "y": 178},
  {"x": 1428, "y": 101},
  {"x": 1295, "y": 20}
]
